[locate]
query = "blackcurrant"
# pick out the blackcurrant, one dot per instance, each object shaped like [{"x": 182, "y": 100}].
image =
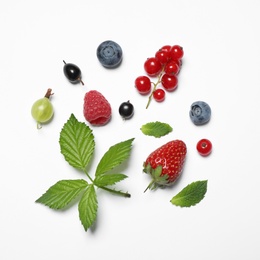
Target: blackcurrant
[
  {"x": 72, "y": 72},
  {"x": 126, "y": 110}
]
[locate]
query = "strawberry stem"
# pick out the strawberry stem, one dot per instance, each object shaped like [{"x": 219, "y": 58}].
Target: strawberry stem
[
  {"x": 117, "y": 192},
  {"x": 151, "y": 186}
]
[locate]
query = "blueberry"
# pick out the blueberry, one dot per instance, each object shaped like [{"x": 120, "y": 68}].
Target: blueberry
[
  {"x": 200, "y": 112},
  {"x": 109, "y": 54}
]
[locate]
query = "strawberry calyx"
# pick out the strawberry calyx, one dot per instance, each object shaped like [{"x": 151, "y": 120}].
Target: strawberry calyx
[{"x": 158, "y": 179}]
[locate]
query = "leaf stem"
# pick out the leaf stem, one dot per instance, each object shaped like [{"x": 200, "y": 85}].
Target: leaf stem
[{"x": 117, "y": 192}]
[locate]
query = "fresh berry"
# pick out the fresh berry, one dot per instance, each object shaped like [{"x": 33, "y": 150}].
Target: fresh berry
[
  {"x": 200, "y": 112},
  {"x": 172, "y": 68},
  {"x": 72, "y": 72},
  {"x": 126, "y": 110},
  {"x": 166, "y": 48},
  {"x": 143, "y": 85},
  {"x": 152, "y": 66},
  {"x": 165, "y": 164},
  {"x": 176, "y": 52},
  {"x": 109, "y": 54},
  {"x": 163, "y": 56},
  {"x": 42, "y": 109},
  {"x": 204, "y": 147},
  {"x": 159, "y": 95},
  {"x": 169, "y": 82},
  {"x": 97, "y": 110}
]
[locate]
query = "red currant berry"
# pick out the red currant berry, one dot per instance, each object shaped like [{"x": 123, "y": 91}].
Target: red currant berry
[
  {"x": 152, "y": 66},
  {"x": 176, "y": 52},
  {"x": 204, "y": 147},
  {"x": 166, "y": 48},
  {"x": 159, "y": 95},
  {"x": 172, "y": 68},
  {"x": 143, "y": 85},
  {"x": 169, "y": 82},
  {"x": 163, "y": 56}
]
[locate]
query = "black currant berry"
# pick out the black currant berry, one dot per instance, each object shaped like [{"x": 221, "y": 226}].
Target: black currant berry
[
  {"x": 72, "y": 72},
  {"x": 126, "y": 110}
]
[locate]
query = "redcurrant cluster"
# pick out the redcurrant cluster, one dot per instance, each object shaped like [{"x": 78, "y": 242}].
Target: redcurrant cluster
[{"x": 165, "y": 65}]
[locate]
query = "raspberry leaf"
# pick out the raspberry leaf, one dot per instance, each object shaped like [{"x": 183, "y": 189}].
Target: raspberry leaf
[
  {"x": 87, "y": 207},
  {"x": 109, "y": 179},
  {"x": 114, "y": 156},
  {"x": 62, "y": 193},
  {"x": 156, "y": 129},
  {"x": 76, "y": 143},
  {"x": 191, "y": 194}
]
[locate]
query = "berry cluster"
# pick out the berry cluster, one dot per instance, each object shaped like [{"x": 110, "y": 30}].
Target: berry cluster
[{"x": 165, "y": 65}]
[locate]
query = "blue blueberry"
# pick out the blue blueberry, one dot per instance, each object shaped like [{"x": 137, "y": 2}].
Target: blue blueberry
[
  {"x": 109, "y": 54},
  {"x": 200, "y": 112}
]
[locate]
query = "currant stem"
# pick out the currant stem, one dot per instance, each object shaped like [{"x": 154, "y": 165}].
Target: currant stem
[{"x": 154, "y": 88}]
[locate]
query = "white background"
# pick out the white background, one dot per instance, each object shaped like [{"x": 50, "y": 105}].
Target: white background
[{"x": 221, "y": 65}]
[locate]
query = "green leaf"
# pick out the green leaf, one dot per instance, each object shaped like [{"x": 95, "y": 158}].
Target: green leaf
[
  {"x": 87, "y": 207},
  {"x": 191, "y": 194},
  {"x": 62, "y": 193},
  {"x": 114, "y": 156},
  {"x": 109, "y": 179},
  {"x": 156, "y": 129},
  {"x": 76, "y": 143}
]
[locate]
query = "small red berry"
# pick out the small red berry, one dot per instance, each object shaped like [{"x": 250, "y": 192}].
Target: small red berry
[
  {"x": 159, "y": 95},
  {"x": 143, "y": 85},
  {"x": 169, "y": 82},
  {"x": 204, "y": 147},
  {"x": 176, "y": 52},
  {"x": 172, "y": 67},
  {"x": 163, "y": 56},
  {"x": 166, "y": 48},
  {"x": 152, "y": 66}
]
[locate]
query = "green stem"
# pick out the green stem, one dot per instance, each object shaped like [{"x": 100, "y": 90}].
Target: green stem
[
  {"x": 124, "y": 194},
  {"x": 88, "y": 176},
  {"x": 154, "y": 88},
  {"x": 150, "y": 186}
]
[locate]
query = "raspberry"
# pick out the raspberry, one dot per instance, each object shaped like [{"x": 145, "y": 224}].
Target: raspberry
[{"x": 97, "y": 110}]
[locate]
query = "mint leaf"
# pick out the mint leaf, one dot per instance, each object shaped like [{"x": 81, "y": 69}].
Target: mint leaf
[
  {"x": 156, "y": 129},
  {"x": 87, "y": 207},
  {"x": 76, "y": 143},
  {"x": 109, "y": 179},
  {"x": 114, "y": 156},
  {"x": 191, "y": 194},
  {"x": 62, "y": 193}
]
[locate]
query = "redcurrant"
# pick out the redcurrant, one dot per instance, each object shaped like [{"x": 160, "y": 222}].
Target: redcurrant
[
  {"x": 166, "y": 48},
  {"x": 143, "y": 85},
  {"x": 171, "y": 68},
  {"x": 163, "y": 56},
  {"x": 169, "y": 82},
  {"x": 152, "y": 66},
  {"x": 159, "y": 95},
  {"x": 176, "y": 52},
  {"x": 204, "y": 147}
]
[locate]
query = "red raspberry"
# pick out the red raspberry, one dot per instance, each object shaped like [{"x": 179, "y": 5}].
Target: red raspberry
[{"x": 97, "y": 110}]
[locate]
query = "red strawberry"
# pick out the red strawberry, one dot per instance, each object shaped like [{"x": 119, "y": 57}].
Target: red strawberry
[
  {"x": 165, "y": 164},
  {"x": 97, "y": 110}
]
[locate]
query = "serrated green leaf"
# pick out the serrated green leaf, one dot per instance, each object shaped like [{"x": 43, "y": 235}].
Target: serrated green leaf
[
  {"x": 156, "y": 129},
  {"x": 109, "y": 179},
  {"x": 191, "y": 194},
  {"x": 62, "y": 193},
  {"x": 76, "y": 143},
  {"x": 87, "y": 207},
  {"x": 114, "y": 156}
]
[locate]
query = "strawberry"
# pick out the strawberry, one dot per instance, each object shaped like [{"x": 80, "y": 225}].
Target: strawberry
[
  {"x": 97, "y": 110},
  {"x": 165, "y": 164}
]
